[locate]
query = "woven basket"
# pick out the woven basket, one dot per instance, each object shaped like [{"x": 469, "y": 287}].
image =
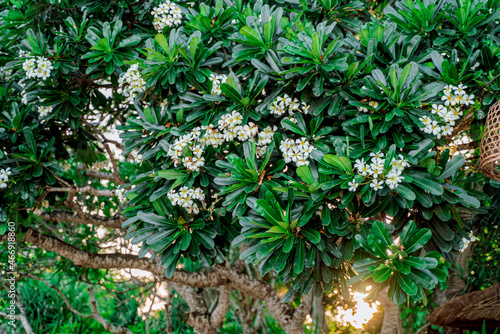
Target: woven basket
[{"x": 490, "y": 145}]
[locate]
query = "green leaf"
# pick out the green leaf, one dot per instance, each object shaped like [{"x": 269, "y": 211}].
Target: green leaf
[
  {"x": 424, "y": 182},
  {"x": 390, "y": 155},
  {"x": 407, "y": 284},
  {"x": 418, "y": 240},
  {"x": 395, "y": 293},
  {"x": 379, "y": 230},
  {"x": 304, "y": 172},
  {"x": 287, "y": 124},
  {"x": 231, "y": 92},
  {"x": 171, "y": 174},
  {"x": 153, "y": 218},
  {"x": 342, "y": 163},
  {"x": 381, "y": 275},
  {"x": 204, "y": 239},
  {"x": 416, "y": 262},
  {"x": 162, "y": 41},
  {"x": 299, "y": 258},
  {"x": 408, "y": 232},
  {"x": 312, "y": 235},
  {"x": 423, "y": 147},
  {"x": 365, "y": 264},
  {"x": 424, "y": 278},
  {"x": 30, "y": 140},
  {"x": 265, "y": 210},
  {"x": 252, "y": 35},
  {"x": 406, "y": 192},
  {"x": 132, "y": 40},
  {"x": 377, "y": 246},
  {"x": 452, "y": 166},
  {"x": 287, "y": 246}
]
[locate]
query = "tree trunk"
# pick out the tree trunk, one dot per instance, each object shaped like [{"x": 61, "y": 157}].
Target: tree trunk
[
  {"x": 392, "y": 317},
  {"x": 318, "y": 315}
]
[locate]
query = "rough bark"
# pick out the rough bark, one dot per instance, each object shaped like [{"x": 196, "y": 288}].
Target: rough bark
[
  {"x": 455, "y": 283},
  {"x": 86, "y": 189},
  {"x": 392, "y": 317},
  {"x": 318, "y": 315}
]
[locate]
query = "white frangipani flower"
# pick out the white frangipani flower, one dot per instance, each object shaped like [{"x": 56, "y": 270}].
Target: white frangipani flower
[
  {"x": 186, "y": 197},
  {"x": 352, "y": 185},
  {"x": 285, "y": 103},
  {"x": 167, "y": 14},
  {"x": 131, "y": 83},
  {"x": 297, "y": 151},
  {"x": 39, "y": 67}
]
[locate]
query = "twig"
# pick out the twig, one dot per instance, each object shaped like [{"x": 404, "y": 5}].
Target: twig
[{"x": 423, "y": 328}]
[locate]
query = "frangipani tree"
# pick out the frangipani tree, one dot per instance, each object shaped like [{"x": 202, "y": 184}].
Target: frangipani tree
[{"x": 310, "y": 141}]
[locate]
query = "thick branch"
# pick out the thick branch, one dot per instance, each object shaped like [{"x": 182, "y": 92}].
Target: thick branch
[
  {"x": 198, "y": 317},
  {"x": 82, "y": 258},
  {"x": 218, "y": 315},
  {"x": 105, "y": 176},
  {"x": 218, "y": 276},
  {"x": 86, "y": 189},
  {"x": 64, "y": 216}
]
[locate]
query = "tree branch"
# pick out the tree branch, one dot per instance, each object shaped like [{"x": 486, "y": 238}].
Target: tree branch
[
  {"x": 5, "y": 316},
  {"x": 218, "y": 276},
  {"x": 66, "y": 301},
  {"x": 83, "y": 258},
  {"x": 218, "y": 315},
  {"x": 22, "y": 316},
  {"x": 86, "y": 189},
  {"x": 116, "y": 177},
  {"x": 98, "y": 317},
  {"x": 105, "y": 176},
  {"x": 65, "y": 216},
  {"x": 198, "y": 316}
]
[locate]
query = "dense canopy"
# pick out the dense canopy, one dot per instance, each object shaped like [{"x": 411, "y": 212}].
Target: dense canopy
[{"x": 326, "y": 143}]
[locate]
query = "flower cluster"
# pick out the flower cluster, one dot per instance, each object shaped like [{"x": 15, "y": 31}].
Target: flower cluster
[
  {"x": 5, "y": 75},
  {"x": 284, "y": 103},
  {"x": 194, "y": 159},
  {"x": 99, "y": 165},
  {"x": 39, "y": 67},
  {"x": 120, "y": 194},
  {"x": 167, "y": 14},
  {"x": 44, "y": 111},
  {"x": 24, "y": 97},
  {"x": 467, "y": 241},
  {"x": 217, "y": 80},
  {"x": 374, "y": 169},
  {"x": 265, "y": 138},
  {"x": 372, "y": 104},
  {"x": 186, "y": 197},
  {"x": 4, "y": 177},
  {"x": 297, "y": 151},
  {"x": 131, "y": 83},
  {"x": 189, "y": 148},
  {"x": 445, "y": 116}
]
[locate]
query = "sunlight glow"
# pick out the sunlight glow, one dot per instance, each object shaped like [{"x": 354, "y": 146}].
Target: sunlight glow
[{"x": 358, "y": 316}]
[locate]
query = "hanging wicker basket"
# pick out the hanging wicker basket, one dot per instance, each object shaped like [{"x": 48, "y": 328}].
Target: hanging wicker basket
[{"x": 490, "y": 145}]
